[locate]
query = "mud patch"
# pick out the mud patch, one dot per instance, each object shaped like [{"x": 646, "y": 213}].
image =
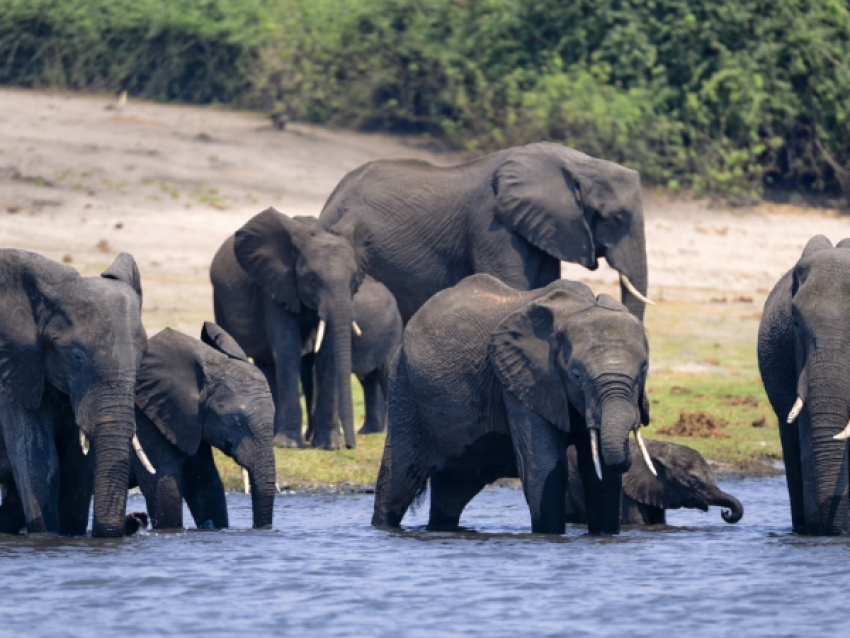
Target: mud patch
[
  {"x": 698, "y": 425},
  {"x": 747, "y": 401}
]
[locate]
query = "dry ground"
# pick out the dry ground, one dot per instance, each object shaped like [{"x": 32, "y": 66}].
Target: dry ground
[{"x": 81, "y": 180}]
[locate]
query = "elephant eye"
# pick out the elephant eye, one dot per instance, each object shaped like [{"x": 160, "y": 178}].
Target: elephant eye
[{"x": 78, "y": 355}]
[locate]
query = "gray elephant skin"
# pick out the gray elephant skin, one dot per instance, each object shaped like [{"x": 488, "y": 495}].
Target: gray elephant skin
[
  {"x": 70, "y": 347},
  {"x": 192, "y": 396},
  {"x": 492, "y": 382},
  {"x": 684, "y": 479},
  {"x": 803, "y": 354},
  {"x": 515, "y": 214},
  {"x": 273, "y": 281},
  {"x": 379, "y": 321}
]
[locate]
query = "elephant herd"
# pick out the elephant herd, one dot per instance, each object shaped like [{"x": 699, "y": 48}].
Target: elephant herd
[{"x": 440, "y": 289}]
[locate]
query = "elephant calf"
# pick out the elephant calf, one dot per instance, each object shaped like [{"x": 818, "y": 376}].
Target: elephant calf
[
  {"x": 493, "y": 382},
  {"x": 684, "y": 479},
  {"x": 191, "y": 397}
]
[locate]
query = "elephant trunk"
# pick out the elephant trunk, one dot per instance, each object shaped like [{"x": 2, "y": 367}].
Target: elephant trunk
[
  {"x": 825, "y": 414},
  {"x": 258, "y": 460},
  {"x": 618, "y": 417},
  {"x": 720, "y": 498},
  {"x": 628, "y": 257},
  {"x": 108, "y": 417},
  {"x": 340, "y": 324}
]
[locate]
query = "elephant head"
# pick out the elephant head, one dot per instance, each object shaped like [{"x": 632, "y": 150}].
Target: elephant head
[
  {"x": 820, "y": 305},
  {"x": 193, "y": 391},
  {"x": 684, "y": 479},
  {"x": 84, "y": 337},
  {"x": 301, "y": 263},
  {"x": 577, "y": 208},
  {"x": 568, "y": 350}
]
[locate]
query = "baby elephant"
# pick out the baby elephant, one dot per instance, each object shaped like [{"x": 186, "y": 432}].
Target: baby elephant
[
  {"x": 684, "y": 479},
  {"x": 493, "y": 382},
  {"x": 191, "y": 397}
]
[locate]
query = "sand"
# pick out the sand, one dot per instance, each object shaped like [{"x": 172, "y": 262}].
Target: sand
[{"x": 81, "y": 180}]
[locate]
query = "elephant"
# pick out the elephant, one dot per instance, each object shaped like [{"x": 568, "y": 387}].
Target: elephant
[
  {"x": 276, "y": 281},
  {"x": 684, "y": 479},
  {"x": 803, "y": 347},
  {"x": 70, "y": 347},
  {"x": 492, "y": 382},
  {"x": 192, "y": 396},
  {"x": 515, "y": 214},
  {"x": 379, "y": 325}
]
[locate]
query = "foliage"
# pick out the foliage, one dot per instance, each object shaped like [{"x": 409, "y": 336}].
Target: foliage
[{"x": 722, "y": 96}]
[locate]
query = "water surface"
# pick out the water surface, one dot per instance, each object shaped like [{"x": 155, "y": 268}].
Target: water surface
[{"x": 324, "y": 571}]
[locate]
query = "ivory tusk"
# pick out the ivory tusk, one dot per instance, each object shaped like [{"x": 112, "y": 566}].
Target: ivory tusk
[
  {"x": 320, "y": 334},
  {"x": 356, "y": 329},
  {"x": 631, "y": 288},
  {"x": 795, "y": 410},
  {"x": 845, "y": 434},
  {"x": 277, "y": 487},
  {"x": 141, "y": 454},
  {"x": 246, "y": 480},
  {"x": 594, "y": 450},
  {"x": 84, "y": 443},
  {"x": 645, "y": 453}
]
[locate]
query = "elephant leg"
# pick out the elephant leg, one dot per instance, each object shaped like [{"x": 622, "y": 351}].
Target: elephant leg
[
  {"x": 204, "y": 490},
  {"x": 285, "y": 342},
  {"x": 163, "y": 491},
  {"x": 789, "y": 437},
  {"x": 325, "y": 414},
  {"x": 541, "y": 457},
  {"x": 375, "y": 402},
  {"x": 76, "y": 485},
  {"x": 602, "y": 498},
  {"x": 308, "y": 370},
  {"x": 12, "y": 518},
  {"x": 450, "y": 493},
  {"x": 35, "y": 462}
]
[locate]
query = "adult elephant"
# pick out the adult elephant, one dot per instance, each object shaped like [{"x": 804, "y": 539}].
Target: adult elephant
[
  {"x": 492, "y": 382},
  {"x": 682, "y": 478},
  {"x": 70, "y": 347},
  {"x": 275, "y": 282},
  {"x": 515, "y": 214},
  {"x": 803, "y": 349},
  {"x": 193, "y": 396}
]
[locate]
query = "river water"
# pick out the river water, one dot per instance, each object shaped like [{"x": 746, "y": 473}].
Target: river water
[{"x": 324, "y": 571}]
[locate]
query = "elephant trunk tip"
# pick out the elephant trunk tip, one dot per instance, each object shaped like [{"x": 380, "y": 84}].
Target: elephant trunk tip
[{"x": 735, "y": 511}]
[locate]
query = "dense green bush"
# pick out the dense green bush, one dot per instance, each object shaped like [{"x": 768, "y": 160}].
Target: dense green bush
[{"x": 715, "y": 95}]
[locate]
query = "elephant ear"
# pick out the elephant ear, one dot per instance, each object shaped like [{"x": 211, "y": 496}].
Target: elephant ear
[
  {"x": 170, "y": 388},
  {"x": 523, "y": 350},
  {"x": 359, "y": 235},
  {"x": 538, "y": 194},
  {"x": 642, "y": 486},
  {"x": 124, "y": 269},
  {"x": 215, "y": 336},
  {"x": 801, "y": 270},
  {"x": 23, "y": 275},
  {"x": 267, "y": 247}
]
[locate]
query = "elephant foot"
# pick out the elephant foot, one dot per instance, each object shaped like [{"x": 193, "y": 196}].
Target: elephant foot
[
  {"x": 287, "y": 440},
  {"x": 327, "y": 440},
  {"x": 369, "y": 429}
]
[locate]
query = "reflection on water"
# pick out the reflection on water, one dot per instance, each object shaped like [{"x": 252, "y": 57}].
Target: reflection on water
[{"x": 323, "y": 570}]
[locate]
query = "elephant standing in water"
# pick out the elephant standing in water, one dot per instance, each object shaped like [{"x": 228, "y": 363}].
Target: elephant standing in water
[
  {"x": 683, "y": 478},
  {"x": 515, "y": 214},
  {"x": 70, "y": 347},
  {"x": 193, "y": 396},
  {"x": 803, "y": 354},
  {"x": 276, "y": 282},
  {"x": 491, "y": 382}
]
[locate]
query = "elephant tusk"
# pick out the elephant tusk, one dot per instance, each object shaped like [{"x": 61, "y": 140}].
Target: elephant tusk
[
  {"x": 277, "y": 487},
  {"x": 246, "y": 480},
  {"x": 356, "y": 329},
  {"x": 594, "y": 451},
  {"x": 320, "y": 334},
  {"x": 141, "y": 454},
  {"x": 845, "y": 434},
  {"x": 645, "y": 453},
  {"x": 795, "y": 410},
  {"x": 631, "y": 288},
  {"x": 84, "y": 443}
]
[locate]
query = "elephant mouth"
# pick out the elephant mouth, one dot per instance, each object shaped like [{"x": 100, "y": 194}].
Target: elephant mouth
[{"x": 626, "y": 463}]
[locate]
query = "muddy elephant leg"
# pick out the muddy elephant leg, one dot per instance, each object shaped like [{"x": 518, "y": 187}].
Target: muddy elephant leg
[
  {"x": 449, "y": 495},
  {"x": 325, "y": 413},
  {"x": 789, "y": 436},
  {"x": 163, "y": 491},
  {"x": 541, "y": 457},
  {"x": 204, "y": 490},
  {"x": 35, "y": 463},
  {"x": 12, "y": 519},
  {"x": 308, "y": 371},
  {"x": 376, "y": 404},
  {"x": 602, "y": 498},
  {"x": 77, "y": 483}
]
